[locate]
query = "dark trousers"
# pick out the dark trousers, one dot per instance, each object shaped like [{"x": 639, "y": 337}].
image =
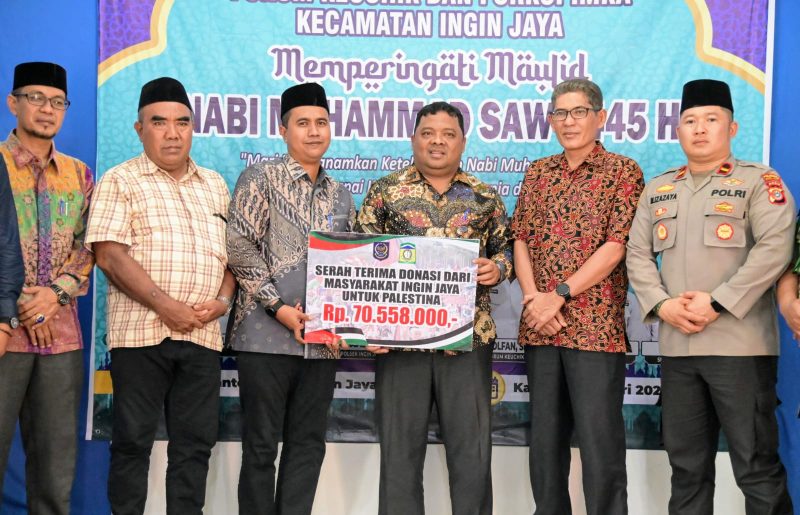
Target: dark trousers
[
  {"x": 44, "y": 393},
  {"x": 407, "y": 383},
  {"x": 283, "y": 397},
  {"x": 581, "y": 391},
  {"x": 702, "y": 393},
  {"x": 181, "y": 379}
]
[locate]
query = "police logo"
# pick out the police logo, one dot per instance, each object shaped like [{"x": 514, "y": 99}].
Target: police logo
[
  {"x": 380, "y": 250},
  {"x": 660, "y": 211},
  {"x": 665, "y": 188},
  {"x": 724, "y": 231},
  {"x": 408, "y": 253},
  {"x": 498, "y": 387},
  {"x": 661, "y": 232}
]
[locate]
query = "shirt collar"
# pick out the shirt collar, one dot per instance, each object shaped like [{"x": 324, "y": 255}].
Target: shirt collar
[
  {"x": 596, "y": 156},
  {"x": 297, "y": 171},
  {"x": 151, "y": 168},
  {"x": 412, "y": 174},
  {"x": 724, "y": 170},
  {"x": 24, "y": 157}
]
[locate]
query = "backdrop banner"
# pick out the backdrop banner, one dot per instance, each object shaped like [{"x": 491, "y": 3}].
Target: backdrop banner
[{"x": 380, "y": 61}]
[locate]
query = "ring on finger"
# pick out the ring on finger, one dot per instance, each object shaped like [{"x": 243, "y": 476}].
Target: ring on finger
[{"x": 39, "y": 318}]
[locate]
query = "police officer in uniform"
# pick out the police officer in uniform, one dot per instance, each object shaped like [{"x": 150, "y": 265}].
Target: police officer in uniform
[{"x": 724, "y": 229}]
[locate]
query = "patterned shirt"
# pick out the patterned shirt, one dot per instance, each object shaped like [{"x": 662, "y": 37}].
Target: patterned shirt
[
  {"x": 52, "y": 202},
  {"x": 175, "y": 229},
  {"x": 405, "y": 203},
  {"x": 275, "y": 205},
  {"x": 564, "y": 216}
]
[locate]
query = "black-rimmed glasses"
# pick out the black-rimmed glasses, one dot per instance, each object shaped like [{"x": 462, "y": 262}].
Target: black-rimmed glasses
[
  {"x": 37, "y": 98},
  {"x": 577, "y": 113}
]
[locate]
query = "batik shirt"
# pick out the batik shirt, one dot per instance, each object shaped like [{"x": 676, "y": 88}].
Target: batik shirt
[
  {"x": 274, "y": 207},
  {"x": 52, "y": 202},
  {"x": 564, "y": 216},
  {"x": 405, "y": 203}
]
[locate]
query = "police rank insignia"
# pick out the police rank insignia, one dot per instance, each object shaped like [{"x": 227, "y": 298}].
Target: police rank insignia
[
  {"x": 680, "y": 175},
  {"x": 724, "y": 231},
  {"x": 733, "y": 181},
  {"x": 665, "y": 188},
  {"x": 774, "y": 188},
  {"x": 724, "y": 207},
  {"x": 725, "y": 169},
  {"x": 661, "y": 232},
  {"x": 660, "y": 211}
]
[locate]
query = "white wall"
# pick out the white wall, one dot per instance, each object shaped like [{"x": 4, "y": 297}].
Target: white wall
[{"x": 349, "y": 482}]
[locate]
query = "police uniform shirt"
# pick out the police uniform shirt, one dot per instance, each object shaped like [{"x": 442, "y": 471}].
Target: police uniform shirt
[{"x": 729, "y": 234}]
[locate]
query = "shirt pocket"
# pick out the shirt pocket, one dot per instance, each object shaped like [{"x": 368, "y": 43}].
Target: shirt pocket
[
  {"x": 665, "y": 224},
  {"x": 724, "y": 222}
]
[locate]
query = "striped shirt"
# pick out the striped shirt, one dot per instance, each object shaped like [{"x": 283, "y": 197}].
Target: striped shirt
[{"x": 175, "y": 229}]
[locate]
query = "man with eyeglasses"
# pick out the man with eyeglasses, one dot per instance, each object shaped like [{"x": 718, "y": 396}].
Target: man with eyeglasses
[
  {"x": 724, "y": 231},
  {"x": 570, "y": 227},
  {"x": 41, "y": 373},
  {"x": 157, "y": 227}
]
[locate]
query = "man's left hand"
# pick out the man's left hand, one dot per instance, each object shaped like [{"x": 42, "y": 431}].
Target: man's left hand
[
  {"x": 210, "y": 310},
  {"x": 700, "y": 303},
  {"x": 42, "y": 335},
  {"x": 41, "y": 300},
  {"x": 488, "y": 271},
  {"x": 542, "y": 308}
]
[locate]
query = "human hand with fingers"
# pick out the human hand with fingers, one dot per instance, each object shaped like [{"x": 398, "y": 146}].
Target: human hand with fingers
[
  {"x": 294, "y": 319},
  {"x": 542, "y": 312},
  {"x": 38, "y": 304},
  {"x": 675, "y": 312},
  {"x": 488, "y": 271}
]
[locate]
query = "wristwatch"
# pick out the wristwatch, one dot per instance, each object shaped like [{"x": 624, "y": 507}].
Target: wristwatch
[
  {"x": 63, "y": 297},
  {"x": 562, "y": 290},
  {"x": 227, "y": 301},
  {"x": 716, "y": 306},
  {"x": 13, "y": 322},
  {"x": 272, "y": 309}
]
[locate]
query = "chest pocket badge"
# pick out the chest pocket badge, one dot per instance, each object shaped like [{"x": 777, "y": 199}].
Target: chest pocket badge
[
  {"x": 724, "y": 224},
  {"x": 664, "y": 225}
]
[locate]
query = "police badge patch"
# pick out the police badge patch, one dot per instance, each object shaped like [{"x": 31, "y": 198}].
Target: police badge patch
[
  {"x": 661, "y": 231},
  {"x": 724, "y": 231}
]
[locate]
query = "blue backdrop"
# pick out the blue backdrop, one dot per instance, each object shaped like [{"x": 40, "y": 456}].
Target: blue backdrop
[{"x": 66, "y": 32}]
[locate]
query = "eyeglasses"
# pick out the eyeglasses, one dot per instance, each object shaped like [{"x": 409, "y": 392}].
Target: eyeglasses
[
  {"x": 577, "y": 113},
  {"x": 37, "y": 98}
]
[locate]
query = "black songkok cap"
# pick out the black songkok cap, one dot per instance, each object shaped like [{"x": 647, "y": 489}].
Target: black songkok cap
[
  {"x": 40, "y": 74},
  {"x": 309, "y": 94},
  {"x": 164, "y": 89},
  {"x": 706, "y": 92}
]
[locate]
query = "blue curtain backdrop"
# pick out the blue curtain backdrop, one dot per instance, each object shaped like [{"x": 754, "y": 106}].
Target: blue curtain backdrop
[{"x": 66, "y": 32}]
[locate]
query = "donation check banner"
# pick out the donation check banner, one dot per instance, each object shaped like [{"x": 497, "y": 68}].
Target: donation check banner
[{"x": 392, "y": 291}]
